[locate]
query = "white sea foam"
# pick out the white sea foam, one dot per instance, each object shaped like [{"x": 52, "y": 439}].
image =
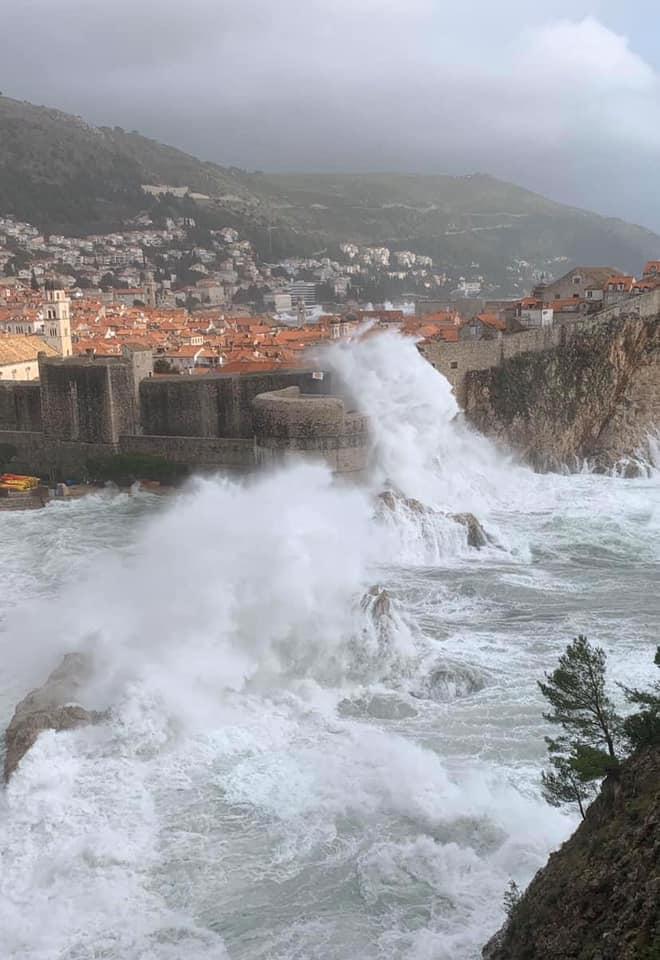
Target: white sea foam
[{"x": 285, "y": 773}]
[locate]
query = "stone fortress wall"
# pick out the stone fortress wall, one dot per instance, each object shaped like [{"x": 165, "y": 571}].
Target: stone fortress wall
[
  {"x": 586, "y": 387},
  {"x": 83, "y": 410},
  {"x": 456, "y": 361},
  {"x": 289, "y": 424}
]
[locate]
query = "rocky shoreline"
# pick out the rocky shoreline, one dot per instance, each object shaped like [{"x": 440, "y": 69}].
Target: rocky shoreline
[{"x": 52, "y": 706}]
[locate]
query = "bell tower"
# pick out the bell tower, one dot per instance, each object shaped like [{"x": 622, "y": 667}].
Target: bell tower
[{"x": 57, "y": 321}]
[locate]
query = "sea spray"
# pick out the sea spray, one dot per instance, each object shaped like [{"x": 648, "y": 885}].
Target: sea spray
[
  {"x": 290, "y": 769},
  {"x": 422, "y": 446}
]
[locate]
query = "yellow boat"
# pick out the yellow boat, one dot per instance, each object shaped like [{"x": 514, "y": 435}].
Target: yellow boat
[{"x": 16, "y": 481}]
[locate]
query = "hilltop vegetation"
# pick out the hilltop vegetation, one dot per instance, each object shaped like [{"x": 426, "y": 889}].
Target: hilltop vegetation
[{"x": 63, "y": 174}]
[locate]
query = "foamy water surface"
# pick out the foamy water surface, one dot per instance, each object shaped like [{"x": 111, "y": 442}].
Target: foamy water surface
[{"x": 294, "y": 769}]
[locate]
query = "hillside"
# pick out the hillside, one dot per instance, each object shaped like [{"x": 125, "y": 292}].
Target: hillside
[
  {"x": 597, "y": 898},
  {"x": 60, "y": 173}
]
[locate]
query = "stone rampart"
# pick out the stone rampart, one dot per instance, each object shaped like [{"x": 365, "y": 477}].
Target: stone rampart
[
  {"x": 456, "y": 360},
  {"x": 205, "y": 453},
  {"x": 87, "y": 400},
  {"x": 291, "y": 425},
  {"x": 20, "y": 405},
  {"x": 84, "y": 413},
  {"x": 215, "y": 405},
  {"x": 36, "y": 454}
]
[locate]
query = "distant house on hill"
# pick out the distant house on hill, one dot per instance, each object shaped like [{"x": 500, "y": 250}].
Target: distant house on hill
[{"x": 575, "y": 283}]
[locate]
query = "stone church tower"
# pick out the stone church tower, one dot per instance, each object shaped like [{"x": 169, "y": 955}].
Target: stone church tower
[{"x": 57, "y": 321}]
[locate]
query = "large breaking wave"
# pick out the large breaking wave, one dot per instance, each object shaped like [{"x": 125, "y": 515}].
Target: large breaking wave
[{"x": 324, "y": 738}]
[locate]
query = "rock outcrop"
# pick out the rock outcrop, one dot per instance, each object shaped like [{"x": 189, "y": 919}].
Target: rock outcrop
[
  {"x": 52, "y": 706},
  {"x": 476, "y": 535},
  {"x": 593, "y": 398},
  {"x": 447, "y": 682},
  {"x": 598, "y": 897}
]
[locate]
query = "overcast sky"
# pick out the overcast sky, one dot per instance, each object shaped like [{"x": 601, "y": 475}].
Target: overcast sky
[{"x": 561, "y": 96}]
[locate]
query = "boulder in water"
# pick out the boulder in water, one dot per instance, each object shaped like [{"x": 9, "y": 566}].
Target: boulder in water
[
  {"x": 446, "y": 683},
  {"x": 391, "y": 500},
  {"x": 380, "y": 706},
  {"x": 476, "y": 535},
  {"x": 378, "y": 603},
  {"x": 49, "y": 707}
]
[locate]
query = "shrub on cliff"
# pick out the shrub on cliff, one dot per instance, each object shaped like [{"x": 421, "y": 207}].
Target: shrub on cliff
[{"x": 643, "y": 727}]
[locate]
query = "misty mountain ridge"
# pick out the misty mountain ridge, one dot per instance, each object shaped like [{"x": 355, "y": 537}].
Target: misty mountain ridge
[{"x": 65, "y": 175}]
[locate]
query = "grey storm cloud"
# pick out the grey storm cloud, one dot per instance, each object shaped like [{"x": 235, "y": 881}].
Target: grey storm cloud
[{"x": 563, "y": 99}]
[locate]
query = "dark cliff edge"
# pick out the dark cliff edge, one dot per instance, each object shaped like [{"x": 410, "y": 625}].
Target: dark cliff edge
[
  {"x": 594, "y": 398},
  {"x": 598, "y": 897}
]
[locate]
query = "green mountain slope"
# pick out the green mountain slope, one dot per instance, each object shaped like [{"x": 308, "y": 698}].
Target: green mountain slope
[
  {"x": 60, "y": 173},
  {"x": 458, "y": 220}
]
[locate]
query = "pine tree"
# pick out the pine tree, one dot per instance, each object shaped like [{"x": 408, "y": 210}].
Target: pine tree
[
  {"x": 563, "y": 784},
  {"x": 586, "y": 751}
]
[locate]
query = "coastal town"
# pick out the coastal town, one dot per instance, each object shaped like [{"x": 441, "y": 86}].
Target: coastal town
[{"x": 219, "y": 308}]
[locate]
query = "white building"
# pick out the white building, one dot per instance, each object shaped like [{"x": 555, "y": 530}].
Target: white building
[
  {"x": 301, "y": 290},
  {"x": 19, "y": 357}
]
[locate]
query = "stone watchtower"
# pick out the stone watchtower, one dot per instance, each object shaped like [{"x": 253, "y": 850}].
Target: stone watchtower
[{"x": 57, "y": 321}]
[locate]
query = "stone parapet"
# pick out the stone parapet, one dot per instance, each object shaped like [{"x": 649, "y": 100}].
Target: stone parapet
[{"x": 290, "y": 425}]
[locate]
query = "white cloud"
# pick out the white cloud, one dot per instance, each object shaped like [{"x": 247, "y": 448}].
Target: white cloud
[{"x": 584, "y": 51}]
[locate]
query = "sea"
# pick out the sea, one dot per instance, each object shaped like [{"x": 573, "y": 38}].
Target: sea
[{"x": 325, "y": 735}]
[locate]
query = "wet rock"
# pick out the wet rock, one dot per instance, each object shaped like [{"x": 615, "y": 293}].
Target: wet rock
[
  {"x": 378, "y": 603},
  {"x": 476, "y": 535},
  {"x": 379, "y": 707},
  {"x": 493, "y": 948},
  {"x": 388, "y": 499},
  {"x": 49, "y": 707},
  {"x": 446, "y": 683},
  {"x": 391, "y": 500}
]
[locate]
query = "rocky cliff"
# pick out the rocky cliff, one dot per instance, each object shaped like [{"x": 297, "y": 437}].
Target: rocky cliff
[
  {"x": 598, "y": 897},
  {"x": 52, "y": 706},
  {"x": 594, "y": 397}
]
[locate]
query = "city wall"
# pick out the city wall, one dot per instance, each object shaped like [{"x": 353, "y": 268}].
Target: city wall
[
  {"x": 289, "y": 424},
  {"x": 214, "y": 405},
  {"x": 456, "y": 360},
  {"x": 586, "y": 388},
  {"x": 200, "y": 453},
  {"x": 84, "y": 412}
]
